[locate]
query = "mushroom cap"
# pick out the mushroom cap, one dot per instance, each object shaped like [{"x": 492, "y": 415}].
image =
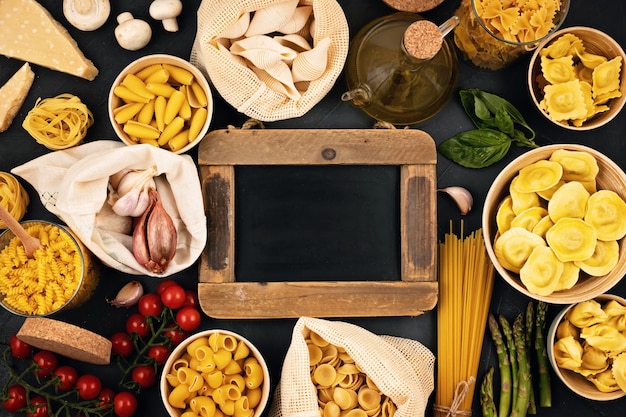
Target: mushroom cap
[
  {"x": 165, "y": 9},
  {"x": 133, "y": 34},
  {"x": 86, "y": 15}
]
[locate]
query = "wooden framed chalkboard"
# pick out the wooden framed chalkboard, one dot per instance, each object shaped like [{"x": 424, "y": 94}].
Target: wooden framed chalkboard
[{"x": 413, "y": 151}]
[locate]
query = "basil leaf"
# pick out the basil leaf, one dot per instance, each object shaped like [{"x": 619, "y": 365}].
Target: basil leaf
[
  {"x": 504, "y": 123},
  {"x": 476, "y": 148}
]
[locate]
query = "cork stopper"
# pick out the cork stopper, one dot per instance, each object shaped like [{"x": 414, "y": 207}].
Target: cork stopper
[{"x": 423, "y": 39}]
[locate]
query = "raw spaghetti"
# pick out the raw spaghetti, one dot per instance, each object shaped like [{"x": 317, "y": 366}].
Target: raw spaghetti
[
  {"x": 58, "y": 122},
  {"x": 466, "y": 277}
]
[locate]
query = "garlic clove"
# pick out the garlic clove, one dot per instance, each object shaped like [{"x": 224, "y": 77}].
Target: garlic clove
[
  {"x": 133, "y": 204},
  {"x": 461, "y": 196},
  {"x": 128, "y": 295}
]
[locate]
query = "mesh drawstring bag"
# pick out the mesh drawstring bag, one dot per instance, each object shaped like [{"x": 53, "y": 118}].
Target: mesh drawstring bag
[{"x": 242, "y": 87}]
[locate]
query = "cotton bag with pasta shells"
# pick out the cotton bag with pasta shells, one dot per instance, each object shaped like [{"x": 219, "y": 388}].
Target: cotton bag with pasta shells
[{"x": 270, "y": 59}]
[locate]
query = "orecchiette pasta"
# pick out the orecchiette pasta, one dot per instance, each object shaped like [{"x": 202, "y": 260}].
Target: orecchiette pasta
[
  {"x": 343, "y": 390},
  {"x": 216, "y": 376}
]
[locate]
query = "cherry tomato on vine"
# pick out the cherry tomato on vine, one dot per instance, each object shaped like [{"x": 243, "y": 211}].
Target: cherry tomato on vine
[
  {"x": 175, "y": 335},
  {"x": 159, "y": 354},
  {"x": 16, "y": 399},
  {"x": 136, "y": 323},
  {"x": 188, "y": 318},
  {"x": 67, "y": 377},
  {"x": 144, "y": 375},
  {"x": 164, "y": 284},
  {"x": 173, "y": 296},
  {"x": 121, "y": 344},
  {"x": 106, "y": 397},
  {"x": 41, "y": 405},
  {"x": 124, "y": 404},
  {"x": 46, "y": 362},
  {"x": 19, "y": 348},
  {"x": 191, "y": 298},
  {"x": 88, "y": 386},
  {"x": 150, "y": 305}
]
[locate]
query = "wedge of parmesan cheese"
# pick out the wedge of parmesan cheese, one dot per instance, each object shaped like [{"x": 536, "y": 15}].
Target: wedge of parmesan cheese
[
  {"x": 13, "y": 94},
  {"x": 65, "y": 339},
  {"x": 28, "y": 32}
]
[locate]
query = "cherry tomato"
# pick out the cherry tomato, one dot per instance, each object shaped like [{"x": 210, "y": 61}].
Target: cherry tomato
[
  {"x": 67, "y": 377},
  {"x": 191, "y": 298},
  {"x": 159, "y": 354},
  {"x": 173, "y": 296},
  {"x": 121, "y": 344},
  {"x": 46, "y": 362},
  {"x": 144, "y": 375},
  {"x": 188, "y": 318},
  {"x": 106, "y": 397},
  {"x": 150, "y": 305},
  {"x": 16, "y": 399},
  {"x": 175, "y": 335},
  {"x": 136, "y": 323},
  {"x": 41, "y": 405},
  {"x": 89, "y": 387},
  {"x": 19, "y": 348},
  {"x": 124, "y": 404},
  {"x": 164, "y": 284}
]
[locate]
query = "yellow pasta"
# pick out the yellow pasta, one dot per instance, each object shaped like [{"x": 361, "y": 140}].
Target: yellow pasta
[
  {"x": 13, "y": 197},
  {"x": 39, "y": 286},
  {"x": 58, "y": 122},
  {"x": 466, "y": 277}
]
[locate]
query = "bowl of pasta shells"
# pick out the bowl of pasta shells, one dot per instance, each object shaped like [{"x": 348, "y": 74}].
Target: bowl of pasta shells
[
  {"x": 161, "y": 100},
  {"x": 554, "y": 222},
  {"x": 587, "y": 347},
  {"x": 215, "y": 372},
  {"x": 576, "y": 78},
  {"x": 60, "y": 275}
]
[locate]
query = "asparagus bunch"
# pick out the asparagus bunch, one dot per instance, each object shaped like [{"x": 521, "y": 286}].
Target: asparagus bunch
[{"x": 515, "y": 345}]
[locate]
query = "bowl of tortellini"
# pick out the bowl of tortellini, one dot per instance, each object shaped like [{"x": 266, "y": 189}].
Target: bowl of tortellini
[
  {"x": 576, "y": 78},
  {"x": 215, "y": 372},
  {"x": 587, "y": 347},
  {"x": 554, "y": 222}
]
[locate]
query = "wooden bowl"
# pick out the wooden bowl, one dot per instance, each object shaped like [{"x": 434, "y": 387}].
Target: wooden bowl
[
  {"x": 573, "y": 380},
  {"x": 595, "y": 42},
  {"x": 610, "y": 177},
  {"x": 181, "y": 349},
  {"x": 114, "y": 102}
]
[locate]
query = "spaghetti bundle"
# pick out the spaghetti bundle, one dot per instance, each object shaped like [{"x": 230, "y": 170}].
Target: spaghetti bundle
[
  {"x": 466, "y": 277},
  {"x": 13, "y": 197}
]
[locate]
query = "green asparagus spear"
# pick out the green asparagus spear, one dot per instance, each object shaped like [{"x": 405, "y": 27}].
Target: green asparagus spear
[
  {"x": 529, "y": 327},
  {"x": 504, "y": 404},
  {"x": 545, "y": 392},
  {"x": 523, "y": 366},
  {"x": 486, "y": 395},
  {"x": 510, "y": 345}
]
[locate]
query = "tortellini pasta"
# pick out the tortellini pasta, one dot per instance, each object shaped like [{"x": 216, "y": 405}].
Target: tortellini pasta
[
  {"x": 577, "y": 84},
  {"x": 343, "y": 390},
  {"x": 555, "y": 218},
  {"x": 217, "y": 375},
  {"x": 590, "y": 341}
]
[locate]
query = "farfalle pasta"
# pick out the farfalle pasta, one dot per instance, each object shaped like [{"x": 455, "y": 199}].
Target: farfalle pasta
[
  {"x": 555, "y": 225},
  {"x": 577, "y": 84},
  {"x": 216, "y": 375}
]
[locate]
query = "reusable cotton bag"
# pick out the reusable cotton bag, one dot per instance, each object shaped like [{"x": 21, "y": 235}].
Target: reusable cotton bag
[
  {"x": 403, "y": 369},
  {"x": 73, "y": 185}
]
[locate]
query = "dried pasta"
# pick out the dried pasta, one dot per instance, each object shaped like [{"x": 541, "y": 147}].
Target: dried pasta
[
  {"x": 58, "y": 122},
  {"x": 45, "y": 283},
  {"x": 13, "y": 197},
  {"x": 217, "y": 375},
  {"x": 466, "y": 277},
  {"x": 342, "y": 388}
]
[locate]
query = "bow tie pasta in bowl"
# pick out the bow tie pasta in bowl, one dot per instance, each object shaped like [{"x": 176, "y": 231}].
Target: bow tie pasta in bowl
[
  {"x": 554, "y": 223},
  {"x": 215, "y": 373},
  {"x": 576, "y": 78},
  {"x": 587, "y": 347}
]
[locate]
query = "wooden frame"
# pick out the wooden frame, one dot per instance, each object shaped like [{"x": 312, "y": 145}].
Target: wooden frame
[{"x": 221, "y": 296}]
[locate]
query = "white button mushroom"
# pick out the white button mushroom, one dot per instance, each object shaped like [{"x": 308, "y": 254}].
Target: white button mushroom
[
  {"x": 131, "y": 33},
  {"x": 86, "y": 15},
  {"x": 166, "y": 11}
]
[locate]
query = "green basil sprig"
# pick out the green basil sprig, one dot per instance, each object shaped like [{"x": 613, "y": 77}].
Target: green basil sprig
[{"x": 496, "y": 120}]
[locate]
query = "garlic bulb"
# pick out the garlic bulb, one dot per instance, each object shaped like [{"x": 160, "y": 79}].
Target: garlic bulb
[
  {"x": 461, "y": 196},
  {"x": 128, "y": 191}
]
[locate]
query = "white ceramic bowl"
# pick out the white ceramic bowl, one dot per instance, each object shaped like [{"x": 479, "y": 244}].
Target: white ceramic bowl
[
  {"x": 181, "y": 350},
  {"x": 114, "y": 102},
  {"x": 573, "y": 380}
]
